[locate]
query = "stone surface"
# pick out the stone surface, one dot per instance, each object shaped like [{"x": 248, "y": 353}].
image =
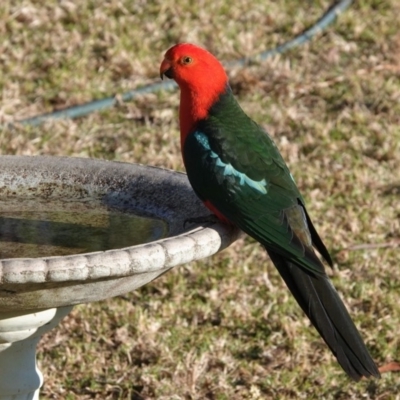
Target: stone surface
[
  {"x": 30, "y": 283},
  {"x": 35, "y": 293}
]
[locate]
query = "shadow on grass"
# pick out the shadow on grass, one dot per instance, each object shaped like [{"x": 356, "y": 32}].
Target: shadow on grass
[{"x": 392, "y": 189}]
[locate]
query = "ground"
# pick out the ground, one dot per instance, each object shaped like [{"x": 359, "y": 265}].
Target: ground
[{"x": 225, "y": 327}]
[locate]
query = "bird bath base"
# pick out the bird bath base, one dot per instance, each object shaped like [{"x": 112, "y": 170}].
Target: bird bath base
[
  {"x": 19, "y": 334},
  {"x": 51, "y": 207}
]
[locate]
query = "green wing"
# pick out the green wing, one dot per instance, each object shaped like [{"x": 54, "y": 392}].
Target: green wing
[{"x": 234, "y": 164}]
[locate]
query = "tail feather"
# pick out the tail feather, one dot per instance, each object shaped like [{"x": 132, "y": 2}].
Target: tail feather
[{"x": 323, "y": 306}]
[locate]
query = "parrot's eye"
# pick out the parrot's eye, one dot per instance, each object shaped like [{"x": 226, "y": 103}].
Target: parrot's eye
[{"x": 186, "y": 60}]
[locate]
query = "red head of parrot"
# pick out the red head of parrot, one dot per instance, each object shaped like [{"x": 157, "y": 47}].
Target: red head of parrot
[{"x": 201, "y": 79}]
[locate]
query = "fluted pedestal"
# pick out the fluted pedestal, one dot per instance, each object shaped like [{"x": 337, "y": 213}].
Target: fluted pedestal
[{"x": 20, "y": 378}]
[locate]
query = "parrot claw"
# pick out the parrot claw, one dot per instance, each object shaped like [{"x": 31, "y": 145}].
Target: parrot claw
[{"x": 209, "y": 219}]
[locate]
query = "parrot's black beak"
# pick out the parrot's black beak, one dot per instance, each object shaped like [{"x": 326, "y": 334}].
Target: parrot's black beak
[{"x": 166, "y": 69}]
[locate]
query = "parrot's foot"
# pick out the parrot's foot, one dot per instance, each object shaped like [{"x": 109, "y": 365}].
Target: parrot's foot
[{"x": 209, "y": 219}]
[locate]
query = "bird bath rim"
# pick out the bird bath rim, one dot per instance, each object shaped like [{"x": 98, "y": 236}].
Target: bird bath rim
[{"x": 35, "y": 283}]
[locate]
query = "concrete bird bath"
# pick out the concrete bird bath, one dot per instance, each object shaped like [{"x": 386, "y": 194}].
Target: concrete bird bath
[{"x": 79, "y": 230}]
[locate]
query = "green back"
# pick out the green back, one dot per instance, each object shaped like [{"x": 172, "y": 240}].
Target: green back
[{"x": 234, "y": 164}]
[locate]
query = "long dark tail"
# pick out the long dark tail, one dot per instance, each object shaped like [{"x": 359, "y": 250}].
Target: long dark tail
[{"x": 322, "y": 304}]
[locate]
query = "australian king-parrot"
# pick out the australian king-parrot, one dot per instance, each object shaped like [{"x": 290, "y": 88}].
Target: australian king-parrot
[{"x": 236, "y": 169}]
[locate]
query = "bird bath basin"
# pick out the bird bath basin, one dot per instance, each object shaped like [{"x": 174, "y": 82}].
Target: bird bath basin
[{"x": 78, "y": 230}]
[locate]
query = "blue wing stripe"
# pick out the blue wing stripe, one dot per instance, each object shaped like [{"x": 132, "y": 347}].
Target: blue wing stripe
[{"x": 228, "y": 169}]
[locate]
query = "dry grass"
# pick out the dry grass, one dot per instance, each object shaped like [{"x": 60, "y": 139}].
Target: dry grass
[{"x": 226, "y": 327}]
